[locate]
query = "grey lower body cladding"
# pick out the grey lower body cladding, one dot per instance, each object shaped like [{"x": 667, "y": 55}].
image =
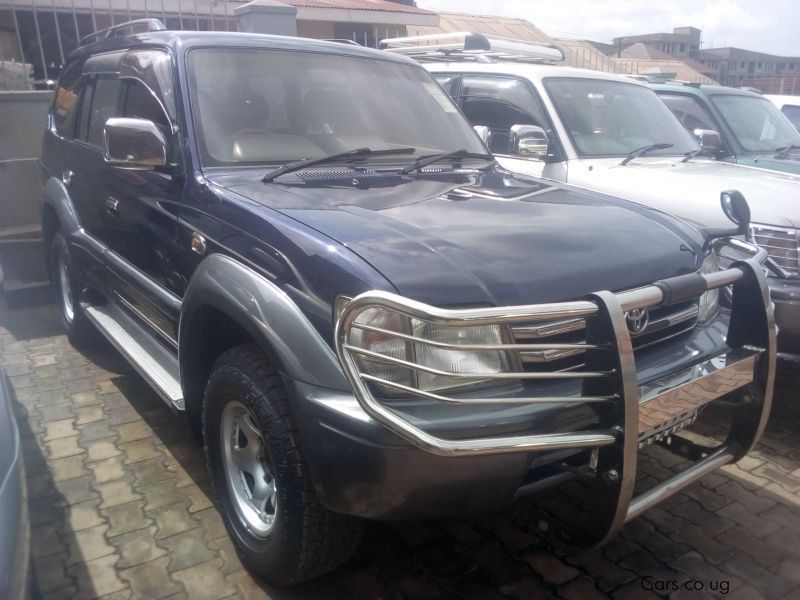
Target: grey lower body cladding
[{"x": 627, "y": 415}]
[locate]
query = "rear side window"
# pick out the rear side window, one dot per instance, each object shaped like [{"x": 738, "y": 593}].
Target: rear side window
[
  {"x": 65, "y": 105},
  {"x": 105, "y": 101},
  {"x": 792, "y": 112},
  {"x": 140, "y": 103},
  {"x": 499, "y": 103},
  {"x": 689, "y": 111}
]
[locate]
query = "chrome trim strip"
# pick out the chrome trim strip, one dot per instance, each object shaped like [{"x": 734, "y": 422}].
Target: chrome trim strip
[
  {"x": 511, "y": 375},
  {"x": 540, "y": 331},
  {"x": 510, "y": 400},
  {"x": 473, "y": 347}
]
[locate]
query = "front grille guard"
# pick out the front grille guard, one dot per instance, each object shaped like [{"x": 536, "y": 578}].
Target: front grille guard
[{"x": 609, "y": 380}]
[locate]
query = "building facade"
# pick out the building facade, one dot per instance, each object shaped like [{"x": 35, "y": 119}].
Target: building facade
[{"x": 37, "y": 35}]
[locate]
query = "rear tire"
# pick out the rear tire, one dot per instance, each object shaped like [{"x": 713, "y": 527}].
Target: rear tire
[
  {"x": 261, "y": 478},
  {"x": 80, "y": 331}
]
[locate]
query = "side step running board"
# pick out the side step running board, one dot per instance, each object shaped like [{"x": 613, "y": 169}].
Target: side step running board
[{"x": 156, "y": 364}]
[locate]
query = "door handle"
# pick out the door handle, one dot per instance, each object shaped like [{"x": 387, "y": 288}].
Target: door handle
[
  {"x": 112, "y": 206},
  {"x": 66, "y": 177}
]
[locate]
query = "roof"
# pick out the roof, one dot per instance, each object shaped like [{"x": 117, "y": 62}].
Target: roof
[
  {"x": 507, "y": 27},
  {"x": 379, "y": 5},
  {"x": 641, "y": 51},
  {"x": 192, "y": 39},
  {"x": 702, "y": 89},
  {"x": 528, "y": 70},
  {"x": 679, "y": 68},
  {"x": 584, "y": 54}
]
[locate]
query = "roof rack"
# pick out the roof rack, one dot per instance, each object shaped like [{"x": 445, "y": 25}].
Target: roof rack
[
  {"x": 144, "y": 25},
  {"x": 464, "y": 46}
]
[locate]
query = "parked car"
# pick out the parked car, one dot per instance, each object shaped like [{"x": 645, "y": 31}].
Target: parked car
[
  {"x": 306, "y": 248},
  {"x": 14, "y": 525},
  {"x": 610, "y": 134},
  {"x": 789, "y": 106},
  {"x": 752, "y": 130}
]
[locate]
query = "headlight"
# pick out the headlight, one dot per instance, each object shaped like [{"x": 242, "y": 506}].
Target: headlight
[
  {"x": 709, "y": 301},
  {"x": 375, "y": 330},
  {"x": 782, "y": 245}
]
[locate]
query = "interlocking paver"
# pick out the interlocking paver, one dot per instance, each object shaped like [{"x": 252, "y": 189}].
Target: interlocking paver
[
  {"x": 117, "y": 492},
  {"x": 88, "y": 544},
  {"x": 151, "y": 580},
  {"x": 137, "y": 547},
  {"x": 205, "y": 581},
  {"x": 120, "y": 508},
  {"x": 69, "y": 467},
  {"x": 172, "y": 519},
  {"x": 126, "y": 517},
  {"x": 83, "y": 516},
  {"x": 186, "y": 549}
]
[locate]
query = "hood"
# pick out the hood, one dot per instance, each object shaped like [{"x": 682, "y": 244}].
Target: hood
[
  {"x": 691, "y": 190},
  {"x": 790, "y": 164},
  {"x": 483, "y": 238}
]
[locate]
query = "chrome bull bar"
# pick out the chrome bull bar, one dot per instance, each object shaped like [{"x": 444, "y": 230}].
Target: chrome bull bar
[{"x": 609, "y": 379}]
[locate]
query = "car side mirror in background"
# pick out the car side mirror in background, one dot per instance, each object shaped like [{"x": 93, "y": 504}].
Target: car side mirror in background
[
  {"x": 485, "y": 134},
  {"x": 529, "y": 141},
  {"x": 134, "y": 144},
  {"x": 736, "y": 209},
  {"x": 708, "y": 139}
]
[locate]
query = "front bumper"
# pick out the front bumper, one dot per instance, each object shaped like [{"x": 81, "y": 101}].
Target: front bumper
[
  {"x": 370, "y": 460},
  {"x": 786, "y": 297}
]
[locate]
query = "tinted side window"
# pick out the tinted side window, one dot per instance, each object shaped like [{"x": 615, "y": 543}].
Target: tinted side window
[
  {"x": 499, "y": 103},
  {"x": 689, "y": 111},
  {"x": 104, "y": 106},
  {"x": 140, "y": 103},
  {"x": 792, "y": 112},
  {"x": 65, "y": 105},
  {"x": 449, "y": 83},
  {"x": 85, "y": 108}
]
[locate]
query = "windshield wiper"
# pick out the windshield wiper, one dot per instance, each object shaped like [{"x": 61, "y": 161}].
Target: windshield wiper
[
  {"x": 644, "y": 150},
  {"x": 692, "y": 153},
  {"x": 424, "y": 161},
  {"x": 783, "y": 152},
  {"x": 310, "y": 162}
]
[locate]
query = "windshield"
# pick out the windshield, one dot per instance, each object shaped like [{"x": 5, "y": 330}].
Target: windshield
[
  {"x": 611, "y": 118},
  {"x": 256, "y": 106},
  {"x": 756, "y": 122}
]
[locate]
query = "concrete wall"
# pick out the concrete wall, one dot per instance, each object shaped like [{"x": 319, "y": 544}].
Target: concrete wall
[{"x": 23, "y": 116}]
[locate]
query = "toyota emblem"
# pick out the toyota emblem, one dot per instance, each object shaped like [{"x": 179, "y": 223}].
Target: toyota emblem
[{"x": 637, "y": 320}]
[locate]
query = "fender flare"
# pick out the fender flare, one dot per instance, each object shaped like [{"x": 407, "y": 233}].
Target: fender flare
[
  {"x": 56, "y": 195},
  {"x": 266, "y": 313}
]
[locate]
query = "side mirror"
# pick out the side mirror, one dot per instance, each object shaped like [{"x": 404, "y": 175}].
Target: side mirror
[
  {"x": 485, "y": 134},
  {"x": 529, "y": 141},
  {"x": 134, "y": 144},
  {"x": 708, "y": 139},
  {"x": 736, "y": 209}
]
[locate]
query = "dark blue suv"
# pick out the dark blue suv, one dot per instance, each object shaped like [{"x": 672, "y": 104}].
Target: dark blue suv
[{"x": 305, "y": 248}]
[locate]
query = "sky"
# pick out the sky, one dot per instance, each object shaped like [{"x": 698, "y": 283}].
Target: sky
[{"x": 771, "y": 26}]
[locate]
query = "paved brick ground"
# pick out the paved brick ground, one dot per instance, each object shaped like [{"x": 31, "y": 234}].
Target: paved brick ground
[{"x": 120, "y": 507}]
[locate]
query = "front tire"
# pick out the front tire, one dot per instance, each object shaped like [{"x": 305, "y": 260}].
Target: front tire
[
  {"x": 67, "y": 293},
  {"x": 261, "y": 478}
]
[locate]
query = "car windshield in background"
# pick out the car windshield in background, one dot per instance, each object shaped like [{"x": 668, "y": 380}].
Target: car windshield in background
[
  {"x": 610, "y": 118},
  {"x": 756, "y": 122},
  {"x": 263, "y": 106}
]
